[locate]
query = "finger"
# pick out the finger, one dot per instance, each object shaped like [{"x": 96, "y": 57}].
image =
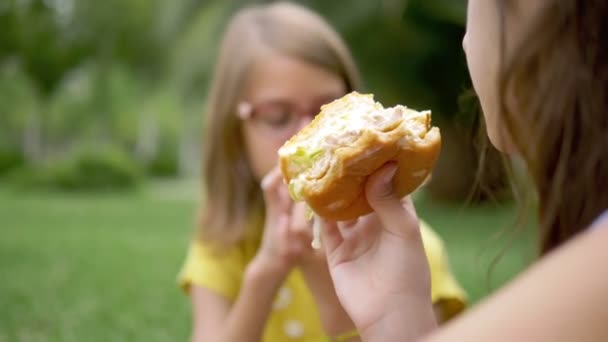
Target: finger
[
  {"x": 370, "y": 226},
  {"x": 364, "y": 228},
  {"x": 270, "y": 184},
  {"x": 300, "y": 226},
  {"x": 391, "y": 212},
  {"x": 282, "y": 231},
  {"x": 271, "y": 179},
  {"x": 347, "y": 228},
  {"x": 330, "y": 235},
  {"x": 271, "y": 188},
  {"x": 408, "y": 204},
  {"x": 294, "y": 244},
  {"x": 296, "y": 247},
  {"x": 284, "y": 196},
  {"x": 345, "y": 225}
]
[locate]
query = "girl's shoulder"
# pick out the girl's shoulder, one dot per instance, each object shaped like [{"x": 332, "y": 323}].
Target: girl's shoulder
[{"x": 601, "y": 221}]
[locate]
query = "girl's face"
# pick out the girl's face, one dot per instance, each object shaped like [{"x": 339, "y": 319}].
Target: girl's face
[
  {"x": 482, "y": 47},
  {"x": 282, "y": 95}
]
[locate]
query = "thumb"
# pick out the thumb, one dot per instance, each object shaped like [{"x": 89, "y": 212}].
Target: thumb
[
  {"x": 379, "y": 188},
  {"x": 272, "y": 190},
  {"x": 385, "y": 202}
]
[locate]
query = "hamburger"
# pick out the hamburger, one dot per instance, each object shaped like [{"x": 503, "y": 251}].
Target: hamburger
[{"x": 327, "y": 163}]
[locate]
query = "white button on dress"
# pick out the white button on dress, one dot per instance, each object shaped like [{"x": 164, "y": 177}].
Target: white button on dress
[
  {"x": 293, "y": 329},
  {"x": 283, "y": 299}
]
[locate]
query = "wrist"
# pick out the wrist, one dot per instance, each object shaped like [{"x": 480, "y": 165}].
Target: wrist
[
  {"x": 267, "y": 271},
  {"x": 334, "y": 318},
  {"x": 408, "y": 321},
  {"x": 335, "y": 321}
]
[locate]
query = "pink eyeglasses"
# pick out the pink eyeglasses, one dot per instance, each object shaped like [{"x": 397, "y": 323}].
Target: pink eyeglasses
[{"x": 279, "y": 117}]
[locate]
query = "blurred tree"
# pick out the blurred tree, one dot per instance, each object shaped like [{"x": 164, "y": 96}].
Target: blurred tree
[
  {"x": 410, "y": 51},
  {"x": 19, "y": 111},
  {"x": 134, "y": 73},
  {"x": 92, "y": 67}
]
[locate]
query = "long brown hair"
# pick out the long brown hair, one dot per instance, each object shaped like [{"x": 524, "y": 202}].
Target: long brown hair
[
  {"x": 554, "y": 103},
  {"x": 231, "y": 193}
]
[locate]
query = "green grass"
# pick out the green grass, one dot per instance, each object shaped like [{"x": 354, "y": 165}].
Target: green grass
[
  {"x": 102, "y": 267},
  {"x": 93, "y": 267},
  {"x": 485, "y": 247}
]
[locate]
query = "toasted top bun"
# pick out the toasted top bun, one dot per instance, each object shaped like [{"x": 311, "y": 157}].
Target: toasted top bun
[{"x": 327, "y": 163}]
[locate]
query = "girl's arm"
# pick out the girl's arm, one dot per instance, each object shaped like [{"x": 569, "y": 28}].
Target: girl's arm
[
  {"x": 216, "y": 319},
  {"x": 562, "y": 298},
  {"x": 283, "y": 244},
  {"x": 335, "y": 320},
  {"x": 285, "y": 241}
]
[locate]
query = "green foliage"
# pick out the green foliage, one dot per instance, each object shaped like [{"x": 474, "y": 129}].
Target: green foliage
[
  {"x": 135, "y": 73},
  {"x": 411, "y": 52},
  {"x": 19, "y": 101},
  {"x": 70, "y": 111},
  {"x": 164, "y": 163},
  {"x": 87, "y": 169},
  {"x": 33, "y": 32},
  {"x": 101, "y": 169},
  {"x": 10, "y": 159}
]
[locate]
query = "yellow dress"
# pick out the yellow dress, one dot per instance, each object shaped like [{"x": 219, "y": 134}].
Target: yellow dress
[{"x": 294, "y": 315}]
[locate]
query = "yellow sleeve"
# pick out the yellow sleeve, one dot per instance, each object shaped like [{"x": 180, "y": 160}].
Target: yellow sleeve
[
  {"x": 221, "y": 273},
  {"x": 445, "y": 290}
]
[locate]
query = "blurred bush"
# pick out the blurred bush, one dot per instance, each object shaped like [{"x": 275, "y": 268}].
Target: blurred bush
[
  {"x": 10, "y": 159},
  {"x": 164, "y": 163},
  {"x": 130, "y": 74},
  {"x": 84, "y": 170},
  {"x": 133, "y": 74}
]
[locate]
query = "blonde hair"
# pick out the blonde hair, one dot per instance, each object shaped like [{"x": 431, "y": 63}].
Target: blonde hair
[{"x": 232, "y": 195}]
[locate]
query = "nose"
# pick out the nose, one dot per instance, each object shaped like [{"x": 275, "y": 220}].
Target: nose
[{"x": 464, "y": 42}]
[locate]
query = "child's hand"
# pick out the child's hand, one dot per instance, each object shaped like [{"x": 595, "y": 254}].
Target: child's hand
[
  {"x": 378, "y": 263},
  {"x": 287, "y": 233}
]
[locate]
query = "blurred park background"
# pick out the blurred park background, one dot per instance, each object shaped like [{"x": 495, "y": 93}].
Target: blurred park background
[{"x": 101, "y": 113}]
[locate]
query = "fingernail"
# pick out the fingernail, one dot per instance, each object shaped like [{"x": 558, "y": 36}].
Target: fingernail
[
  {"x": 266, "y": 182},
  {"x": 389, "y": 175}
]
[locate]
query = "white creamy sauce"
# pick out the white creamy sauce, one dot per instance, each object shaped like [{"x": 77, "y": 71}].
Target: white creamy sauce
[{"x": 316, "y": 232}]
